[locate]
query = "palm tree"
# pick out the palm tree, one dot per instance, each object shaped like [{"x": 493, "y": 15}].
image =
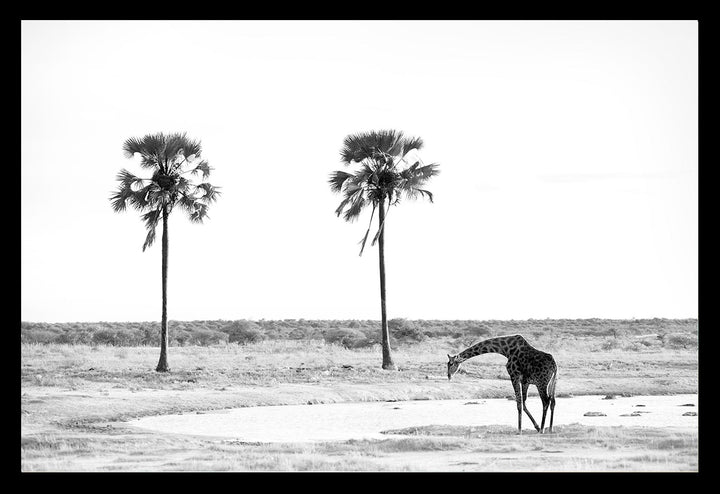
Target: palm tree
[
  {"x": 384, "y": 176},
  {"x": 172, "y": 161}
]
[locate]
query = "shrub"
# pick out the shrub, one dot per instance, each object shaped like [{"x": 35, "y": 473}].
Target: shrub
[
  {"x": 206, "y": 337},
  {"x": 175, "y": 337},
  {"x": 150, "y": 334},
  {"x": 243, "y": 331},
  {"x": 402, "y": 329},
  {"x": 38, "y": 336},
  {"x": 103, "y": 336},
  {"x": 75, "y": 336},
  {"x": 298, "y": 334},
  {"x": 609, "y": 344},
  {"x": 128, "y": 337},
  {"x": 347, "y": 337},
  {"x": 116, "y": 337},
  {"x": 478, "y": 330},
  {"x": 679, "y": 340}
]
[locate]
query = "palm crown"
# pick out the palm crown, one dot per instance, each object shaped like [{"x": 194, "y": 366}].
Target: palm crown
[
  {"x": 174, "y": 161},
  {"x": 384, "y": 173}
]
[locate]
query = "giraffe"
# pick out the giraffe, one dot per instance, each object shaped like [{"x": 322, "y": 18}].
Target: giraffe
[{"x": 526, "y": 365}]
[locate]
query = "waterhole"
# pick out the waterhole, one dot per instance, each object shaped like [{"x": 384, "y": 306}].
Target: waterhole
[{"x": 368, "y": 420}]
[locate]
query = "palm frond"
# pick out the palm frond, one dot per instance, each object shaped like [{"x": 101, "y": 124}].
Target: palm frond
[
  {"x": 187, "y": 202},
  {"x": 210, "y": 192},
  {"x": 174, "y": 144},
  {"x": 364, "y": 145},
  {"x": 151, "y": 219},
  {"x": 125, "y": 177},
  {"x": 341, "y": 206},
  {"x": 132, "y": 183},
  {"x": 412, "y": 143},
  {"x": 160, "y": 150},
  {"x": 413, "y": 193},
  {"x": 380, "y": 227},
  {"x": 150, "y": 148},
  {"x": 362, "y": 248},
  {"x": 183, "y": 184},
  {"x": 133, "y": 145},
  {"x": 355, "y": 148},
  {"x": 141, "y": 199},
  {"x": 414, "y": 177},
  {"x": 354, "y": 197},
  {"x": 392, "y": 145},
  {"x": 119, "y": 198},
  {"x": 427, "y": 193},
  {"x": 356, "y": 206},
  {"x": 349, "y": 198},
  {"x": 201, "y": 167},
  {"x": 151, "y": 162},
  {"x": 127, "y": 189},
  {"x": 430, "y": 170},
  {"x": 179, "y": 147},
  {"x": 154, "y": 144},
  {"x": 154, "y": 195},
  {"x": 149, "y": 239},
  {"x": 337, "y": 179},
  {"x": 199, "y": 213}
]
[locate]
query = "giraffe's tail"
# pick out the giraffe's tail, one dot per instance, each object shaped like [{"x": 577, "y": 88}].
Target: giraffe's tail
[{"x": 551, "y": 385}]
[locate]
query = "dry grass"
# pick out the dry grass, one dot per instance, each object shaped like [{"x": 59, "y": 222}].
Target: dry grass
[{"x": 71, "y": 392}]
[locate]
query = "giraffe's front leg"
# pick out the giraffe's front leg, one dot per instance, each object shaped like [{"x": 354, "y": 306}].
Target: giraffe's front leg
[{"x": 518, "y": 399}]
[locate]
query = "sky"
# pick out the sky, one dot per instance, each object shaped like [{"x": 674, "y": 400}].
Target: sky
[{"x": 568, "y": 157}]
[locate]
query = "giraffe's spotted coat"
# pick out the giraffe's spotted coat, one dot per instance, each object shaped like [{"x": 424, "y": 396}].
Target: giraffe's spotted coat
[{"x": 526, "y": 365}]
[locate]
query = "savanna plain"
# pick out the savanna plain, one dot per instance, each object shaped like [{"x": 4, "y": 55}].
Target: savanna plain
[{"x": 77, "y": 394}]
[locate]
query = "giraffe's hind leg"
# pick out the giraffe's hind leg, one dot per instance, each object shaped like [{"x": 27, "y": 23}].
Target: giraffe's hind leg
[
  {"x": 545, "y": 402},
  {"x": 525, "y": 387}
]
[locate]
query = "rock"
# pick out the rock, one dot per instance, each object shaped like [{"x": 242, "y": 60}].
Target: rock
[
  {"x": 634, "y": 414},
  {"x": 690, "y": 414},
  {"x": 594, "y": 414},
  {"x": 609, "y": 397}
]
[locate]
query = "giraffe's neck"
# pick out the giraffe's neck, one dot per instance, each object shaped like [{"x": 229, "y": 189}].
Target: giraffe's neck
[{"x": 501, "y": 345}]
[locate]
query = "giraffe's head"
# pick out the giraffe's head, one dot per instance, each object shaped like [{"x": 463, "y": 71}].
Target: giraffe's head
[{"x": 453, "y": 365}]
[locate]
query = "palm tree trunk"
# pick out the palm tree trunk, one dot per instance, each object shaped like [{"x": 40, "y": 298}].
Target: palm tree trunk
[
  {"x": 163, "y": 363},
  {"x": 388, "y": 363}
]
